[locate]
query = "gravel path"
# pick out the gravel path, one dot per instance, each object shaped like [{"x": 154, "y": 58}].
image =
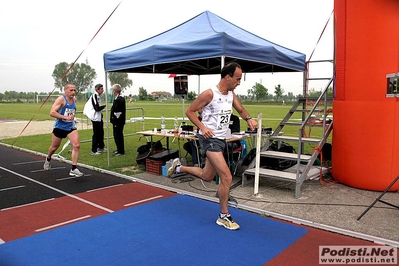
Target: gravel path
[{"x": 12, "y": 128}]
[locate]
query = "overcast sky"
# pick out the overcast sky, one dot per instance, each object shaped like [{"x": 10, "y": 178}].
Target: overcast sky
[{"x": 37, "y": 35}]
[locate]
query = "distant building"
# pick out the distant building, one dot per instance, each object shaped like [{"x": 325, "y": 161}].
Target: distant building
[{"x": 161, "y": 95}]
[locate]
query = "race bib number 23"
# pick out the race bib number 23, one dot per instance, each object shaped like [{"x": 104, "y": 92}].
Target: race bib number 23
[{"x": 223, "y": 119}]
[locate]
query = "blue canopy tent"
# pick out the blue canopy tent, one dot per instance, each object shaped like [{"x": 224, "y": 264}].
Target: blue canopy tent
[{"x": 200, "y": 46}]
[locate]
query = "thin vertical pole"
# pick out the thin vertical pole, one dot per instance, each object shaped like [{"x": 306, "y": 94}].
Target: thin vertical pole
[
  {"x": 106, "y": 117},
  {"x": 257, "y": 157}
]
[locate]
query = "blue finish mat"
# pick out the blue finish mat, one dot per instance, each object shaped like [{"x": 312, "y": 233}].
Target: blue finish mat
[{"x": 179, "y": 230}]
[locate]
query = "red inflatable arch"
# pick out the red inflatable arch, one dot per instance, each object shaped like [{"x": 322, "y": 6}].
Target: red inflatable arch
[{"x": 366, "y": 106}]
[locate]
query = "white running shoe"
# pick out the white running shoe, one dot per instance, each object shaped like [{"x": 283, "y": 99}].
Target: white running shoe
[
  {"x": 47, "y": 164},
  {"x": 75, "y": 172}
]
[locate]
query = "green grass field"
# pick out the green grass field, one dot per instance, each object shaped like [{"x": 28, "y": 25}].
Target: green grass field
[{"x": 272, "y": 114}]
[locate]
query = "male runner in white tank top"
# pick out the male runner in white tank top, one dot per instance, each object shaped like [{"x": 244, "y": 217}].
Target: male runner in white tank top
[{"x": 216, "y": 105}]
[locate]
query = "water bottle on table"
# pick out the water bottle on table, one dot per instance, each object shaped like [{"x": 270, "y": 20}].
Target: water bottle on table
[{"x": 163, "y": 125}]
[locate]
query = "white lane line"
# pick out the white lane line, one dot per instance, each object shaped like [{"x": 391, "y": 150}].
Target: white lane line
[
  {"x": 70, "y": 177},
  {"x": 29, "y": 162},
  {"x": 20, "y": 206},
  {"x": 10, "y": 188},
  {"x": 63, "y": 223},
  {"x": 2, "y": 241},
  {"x": 60, "y": 191},
  {"x": 141, "y": 201},
  {"x": 101, "y": 188},
  {"x": 52, "y": 168}
]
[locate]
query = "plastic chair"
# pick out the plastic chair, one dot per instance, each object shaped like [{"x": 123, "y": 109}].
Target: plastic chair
[{"x": 238, "y": 151}]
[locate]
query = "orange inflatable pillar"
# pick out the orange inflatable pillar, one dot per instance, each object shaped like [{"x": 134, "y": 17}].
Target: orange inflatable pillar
[{"x": 366, "y": 118}]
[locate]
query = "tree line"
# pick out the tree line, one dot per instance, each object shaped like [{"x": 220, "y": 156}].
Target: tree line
[{"x": 83, "y": 76}]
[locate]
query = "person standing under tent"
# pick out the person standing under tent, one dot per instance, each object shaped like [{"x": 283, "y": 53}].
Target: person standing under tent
[
  {"x": 97, "y": 143},
  {"x": 64, "y": 110},
  {"x": 118, "y": 119},
  {"x": 216, "y": 104}
]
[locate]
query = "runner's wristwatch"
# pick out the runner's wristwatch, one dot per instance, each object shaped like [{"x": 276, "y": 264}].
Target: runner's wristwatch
[{"x": 247, "y": 118}]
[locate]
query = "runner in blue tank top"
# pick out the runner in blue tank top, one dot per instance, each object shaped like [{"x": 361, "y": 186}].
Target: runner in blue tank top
[{"x": 64, "y": 110}]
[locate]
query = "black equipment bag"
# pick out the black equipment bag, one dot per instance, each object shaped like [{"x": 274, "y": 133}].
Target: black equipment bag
[
  {"x": 146, "y": 150},
  {"x": 278, "y": 164},
  {"x": 164, "y": 155},
  {"x": 267, "y": 162}
]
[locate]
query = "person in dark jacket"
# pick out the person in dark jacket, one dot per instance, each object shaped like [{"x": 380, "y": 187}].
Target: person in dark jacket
[
  {"x": 118, "y": 119},
  {"x": 97, "y": 143}
]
